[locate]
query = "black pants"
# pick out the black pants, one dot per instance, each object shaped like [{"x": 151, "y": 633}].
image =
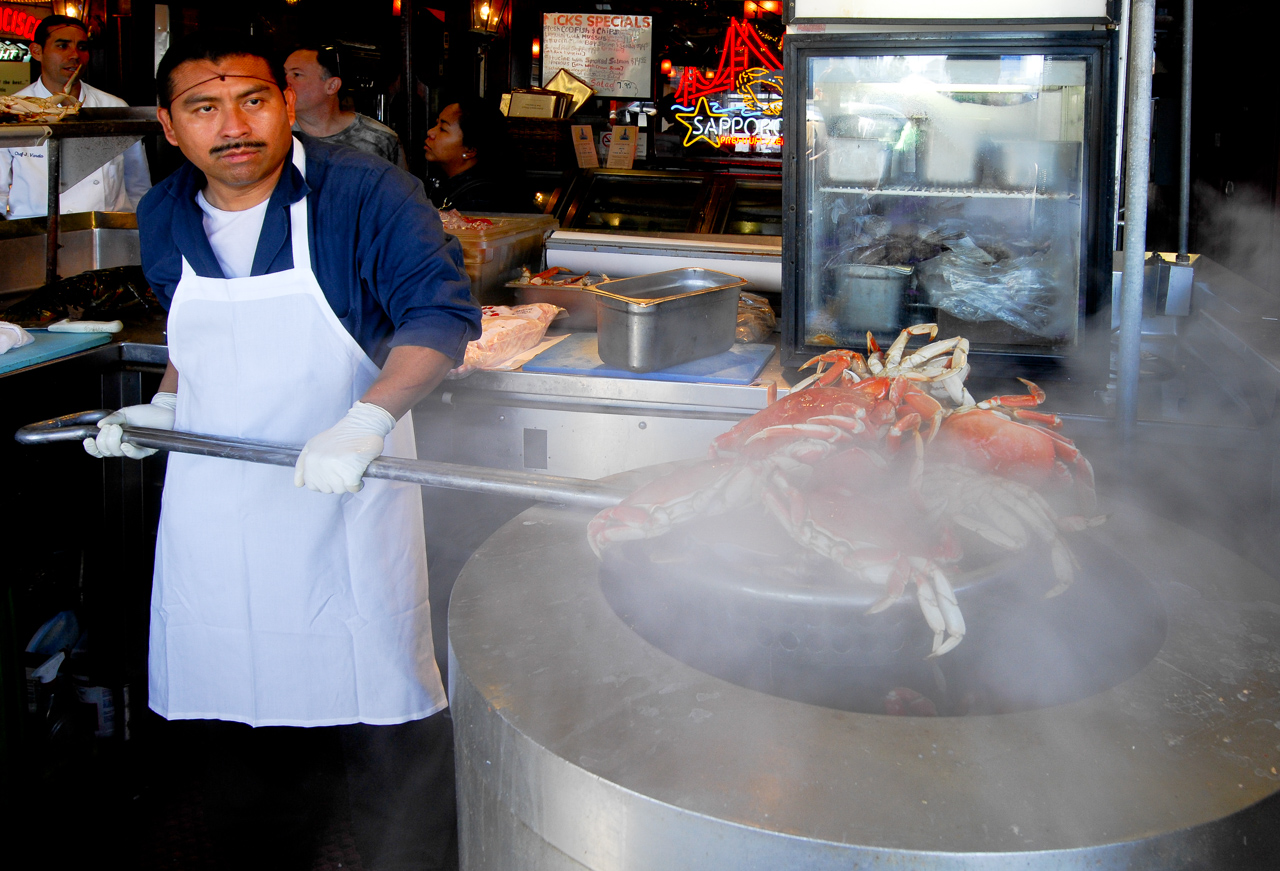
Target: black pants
[{"x": 271, "y": 792}]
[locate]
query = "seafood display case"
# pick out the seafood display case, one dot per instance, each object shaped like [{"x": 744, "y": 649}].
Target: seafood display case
[
  {"x": 634, "y": 222},
  {"x": 953, "y": 178},
  {"x": 653, "y": 201}
]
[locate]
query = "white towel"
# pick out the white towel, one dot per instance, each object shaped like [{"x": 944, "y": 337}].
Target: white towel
[{"x": 13, "y": 336}]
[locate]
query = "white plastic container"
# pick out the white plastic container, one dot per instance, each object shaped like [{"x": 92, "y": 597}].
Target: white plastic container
[{"x": 858, "y": 161}]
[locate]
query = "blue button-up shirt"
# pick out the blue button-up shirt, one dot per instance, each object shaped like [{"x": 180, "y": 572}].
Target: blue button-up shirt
[{"x": 388, "y": 269}]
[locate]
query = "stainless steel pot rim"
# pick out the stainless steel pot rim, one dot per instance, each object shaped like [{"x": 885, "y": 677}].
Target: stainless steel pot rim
[{"x": 727, "y": 281}]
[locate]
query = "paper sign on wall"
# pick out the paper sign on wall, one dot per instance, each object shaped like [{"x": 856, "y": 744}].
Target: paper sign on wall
[
  {"x": 622, "y": 148},
  {"x": 611, "y": 53},
  {"x": 584, "y": 146}
]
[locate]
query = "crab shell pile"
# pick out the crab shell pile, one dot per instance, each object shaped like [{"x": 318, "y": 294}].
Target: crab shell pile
[
  {"x": 889, "y": 422},
  {"x": 37, "y": 110}
]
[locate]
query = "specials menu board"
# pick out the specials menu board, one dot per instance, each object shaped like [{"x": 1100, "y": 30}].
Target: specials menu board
[{"x": 612, "y": 53}]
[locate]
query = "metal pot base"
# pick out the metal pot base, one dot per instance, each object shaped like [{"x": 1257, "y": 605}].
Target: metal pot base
[{"x": 582, "y": 745}]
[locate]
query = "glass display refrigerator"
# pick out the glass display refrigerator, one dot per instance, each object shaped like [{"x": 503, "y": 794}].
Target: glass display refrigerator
[
  {"x": 633, "y": 222},
  {"x": 652, "y": 201},
  {"x": 961, "y": 178}
]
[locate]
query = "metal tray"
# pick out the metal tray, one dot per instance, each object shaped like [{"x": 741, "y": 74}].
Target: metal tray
[
  {"x": 663, "y": 319},
  {"x": 578, "y": 301}
]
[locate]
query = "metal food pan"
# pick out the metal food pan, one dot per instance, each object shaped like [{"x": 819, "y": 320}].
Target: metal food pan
[
  {"x": 663, "y": 319},
  {"x": 578, "y": 302}
]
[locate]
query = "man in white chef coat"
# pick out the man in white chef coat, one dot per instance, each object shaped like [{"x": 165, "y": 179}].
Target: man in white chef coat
[
  {"x": 314, "y": 298},
  {"x": 61, "y": 45}
]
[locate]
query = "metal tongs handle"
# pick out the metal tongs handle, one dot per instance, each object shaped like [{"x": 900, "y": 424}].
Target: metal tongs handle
[{"x": 524, "y": 485}]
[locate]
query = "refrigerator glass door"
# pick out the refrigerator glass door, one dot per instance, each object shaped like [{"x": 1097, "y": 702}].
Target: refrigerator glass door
[{"x": 944, "y": 188}]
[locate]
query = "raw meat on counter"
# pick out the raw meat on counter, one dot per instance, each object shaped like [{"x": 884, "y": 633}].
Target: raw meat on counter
[{"x": 507, "y": 333}]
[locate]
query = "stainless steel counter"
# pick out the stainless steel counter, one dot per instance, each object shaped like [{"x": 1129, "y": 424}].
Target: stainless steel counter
[{"x": 580, "y": 426}]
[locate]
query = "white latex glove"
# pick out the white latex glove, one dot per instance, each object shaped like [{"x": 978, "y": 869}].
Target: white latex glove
[
  {"x": 334, "y": 460},
  {"x": 157, "y": 414},
  {"x": 13, "y": 336}
]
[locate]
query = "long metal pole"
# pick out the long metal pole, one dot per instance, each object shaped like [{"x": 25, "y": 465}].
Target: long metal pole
[
  {"x": 1142, "y": 26},
  {"x": 1184, "y": 201},
  {"x": 53, "y": 159},
  {"x": 412, "y": 143},
  {"x": 1122, "y": 92},
  {"x": 535, "y": 486}
]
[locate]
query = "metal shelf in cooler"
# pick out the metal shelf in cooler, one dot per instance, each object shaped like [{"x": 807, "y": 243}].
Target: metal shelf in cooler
[{"x": 921, "y": 191}]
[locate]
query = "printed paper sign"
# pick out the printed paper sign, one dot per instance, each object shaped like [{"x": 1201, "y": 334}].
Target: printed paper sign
[
  {"x": 622, "y": 148},
  {"x": 584, "y": 146}
]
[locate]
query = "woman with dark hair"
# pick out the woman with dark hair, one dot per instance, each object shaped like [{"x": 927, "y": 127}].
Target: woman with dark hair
[{"x": 467, "y": 150}]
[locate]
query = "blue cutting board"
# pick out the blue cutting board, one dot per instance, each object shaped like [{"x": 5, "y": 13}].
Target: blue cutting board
[
  {"x": 578, "y": 355},
  {"x": 49, "y": 346}
]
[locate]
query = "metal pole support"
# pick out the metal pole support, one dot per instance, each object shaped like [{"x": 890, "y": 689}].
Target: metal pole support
[{"x": 1137, "y": 176}]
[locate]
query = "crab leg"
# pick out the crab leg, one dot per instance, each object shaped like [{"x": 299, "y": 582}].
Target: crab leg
[
  {"x": 1034, "y": 397},
  {"x": 939, "y": 606},
  {"x": 1039, "y": 418},
  {"x": 893, "y": 358},
  {"x": 935, "y": 349},
  {"x": 845, "y": 366}
]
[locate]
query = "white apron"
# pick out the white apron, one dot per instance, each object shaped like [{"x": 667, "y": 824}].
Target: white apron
[{"x": 274, "y": 605}]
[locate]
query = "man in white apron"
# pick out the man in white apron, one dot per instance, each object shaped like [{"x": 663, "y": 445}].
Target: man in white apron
[
  {"x": 61, "y": 45},
  {"x": 313, "y": 299}
]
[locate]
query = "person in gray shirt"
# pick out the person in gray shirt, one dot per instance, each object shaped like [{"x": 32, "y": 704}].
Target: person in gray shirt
[{"x": 315, "y": 77}]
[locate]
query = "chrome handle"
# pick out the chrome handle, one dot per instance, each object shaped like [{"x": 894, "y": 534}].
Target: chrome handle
[{"x": 555, "y": 489}]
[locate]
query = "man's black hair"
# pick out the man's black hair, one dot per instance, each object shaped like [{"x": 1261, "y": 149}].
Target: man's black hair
[
  {"x": 326, "y": 57},
  {"x": 484, "y": 127},
  {"x": 212, "y": 46},
  {"x": 41, "y": 36}
]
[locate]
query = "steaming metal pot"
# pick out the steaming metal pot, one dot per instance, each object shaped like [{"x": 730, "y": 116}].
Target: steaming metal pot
[{"x": 582, "y": 745}]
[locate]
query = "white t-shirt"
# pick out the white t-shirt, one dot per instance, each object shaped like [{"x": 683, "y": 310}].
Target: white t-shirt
[{"x": 233, "y": 236}]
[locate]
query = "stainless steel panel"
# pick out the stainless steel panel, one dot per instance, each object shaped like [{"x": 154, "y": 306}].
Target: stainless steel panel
[
  {"x": 573, "y": 731},
  {"x": 1166, "y": 291},
  {"x": 80, "y": 157},
  {"x": 589, "y": 442},
  {"x": 23, "y": 135},
  {"x": 88, "y": 240}
]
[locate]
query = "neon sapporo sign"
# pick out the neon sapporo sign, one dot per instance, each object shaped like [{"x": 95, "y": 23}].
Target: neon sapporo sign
[{"x": 750, "y": 74}]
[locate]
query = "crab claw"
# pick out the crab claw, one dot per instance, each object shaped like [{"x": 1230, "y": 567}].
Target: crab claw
[
  {"x": 939, "y": 606},
  {"x": 845, "y": 367}
]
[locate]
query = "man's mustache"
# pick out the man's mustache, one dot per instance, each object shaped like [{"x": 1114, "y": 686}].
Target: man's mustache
[{"x": 231, "y": 146}]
